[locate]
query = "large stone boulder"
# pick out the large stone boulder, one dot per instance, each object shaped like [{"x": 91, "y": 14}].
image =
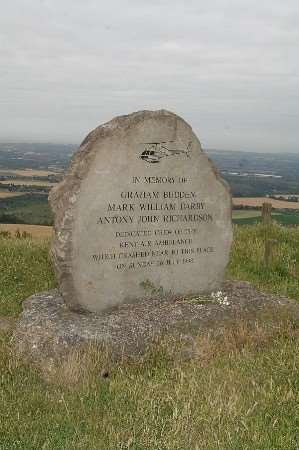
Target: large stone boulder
[{"x": 140, "y": 212}]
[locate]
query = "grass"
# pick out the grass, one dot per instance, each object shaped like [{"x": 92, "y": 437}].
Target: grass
[
  {"x": 35, "y": 231},
  {"x": 246, "y": 213},
  {"x": 25, "y": 266},
  {"x": 253, "y": 217},
  {"x": 244, "y": 395},
  {"x": 27, "y": 173},
  {"x": 28, "y": 208},
  {"x": 247, "y": 258},
  {"x": 25, "y": 182},
  {"x": 24, "y": 269},
  {"x": 284, "y": 218},
  {"x": 7, "y": 194},
  {"x": 258, "y": 201},
  {"x": 287, "y": 219},
  {"x": 242, "y": 391}
]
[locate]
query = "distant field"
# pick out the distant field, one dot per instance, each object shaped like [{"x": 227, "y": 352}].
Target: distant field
[
  {"x": 27, "y": 208},
  {"x": 5, "y": 194},
  {"x": 39, "y": 231},
  {"x": 249, "y": 213},
  {"x": 284, "y": 218},
  {"x": 252, "y": 217},
  {"x": 28, "y": 173},
  {"x": 258, "y": 201},
  {"x": 245, "y": 214},
  {"x": 28, "y": 182}
]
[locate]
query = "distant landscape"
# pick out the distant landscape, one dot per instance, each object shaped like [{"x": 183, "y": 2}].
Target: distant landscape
[{"x": 29, "y": 170}]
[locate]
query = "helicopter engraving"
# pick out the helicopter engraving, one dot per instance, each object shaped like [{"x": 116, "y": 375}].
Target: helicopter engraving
[{"x": 154, "y": 151}]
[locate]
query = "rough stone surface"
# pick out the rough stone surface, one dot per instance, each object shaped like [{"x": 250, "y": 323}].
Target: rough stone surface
[
  {"x": 47, "y": 330},
  {"x": 140, "y": 211}
]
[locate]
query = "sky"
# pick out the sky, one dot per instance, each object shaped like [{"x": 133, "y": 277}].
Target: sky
[{"x": 229, "y": 67}]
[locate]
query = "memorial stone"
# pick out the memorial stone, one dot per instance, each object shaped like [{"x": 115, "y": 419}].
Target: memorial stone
[{"x": 140, "y": 214}]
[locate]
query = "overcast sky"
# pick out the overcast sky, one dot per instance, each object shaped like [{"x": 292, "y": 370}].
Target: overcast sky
[{"x": 228, "y": 67}]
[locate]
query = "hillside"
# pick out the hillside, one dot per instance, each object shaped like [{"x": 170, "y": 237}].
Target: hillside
[{"x": 240, "y": 392}]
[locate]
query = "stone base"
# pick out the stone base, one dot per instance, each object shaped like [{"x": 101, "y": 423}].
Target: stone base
[{"x": 47, "y": 330}]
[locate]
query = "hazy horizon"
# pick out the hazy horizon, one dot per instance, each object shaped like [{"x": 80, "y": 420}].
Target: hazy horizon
[
  {"x": 77, "y": 145},
  {"x": 231, "y": 70}
]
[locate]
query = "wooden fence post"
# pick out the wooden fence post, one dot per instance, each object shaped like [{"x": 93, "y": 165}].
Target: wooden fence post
[
  {"x": 266, "y": 213},
  {"x": 268, "y": 256}
]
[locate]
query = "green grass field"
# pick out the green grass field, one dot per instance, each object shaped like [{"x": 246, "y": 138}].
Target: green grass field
[
  {"x": 245, "y": 213},
  {"x": 242, "y": 393},
  {"x": 31, "y": 209}
]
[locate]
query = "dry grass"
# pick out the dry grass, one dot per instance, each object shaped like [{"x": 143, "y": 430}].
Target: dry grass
[
  {"x": 36, "y": 231},
  {"x": 239, "y": 392},
  {"x": 244, "y": 333},
  {"x": 248, "y": 333},
  {"x": 24, "y": 269},
  {"x": 6, "y": 194},
  {"x": 242, "y": 396},
  {"x": 245, "y": 214},
  {"x": 17, "y": 182},
  {"x": 247, "y": 258},
  {"x": 258, "y": 201},
  {"x": 81, "y": 367}
]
